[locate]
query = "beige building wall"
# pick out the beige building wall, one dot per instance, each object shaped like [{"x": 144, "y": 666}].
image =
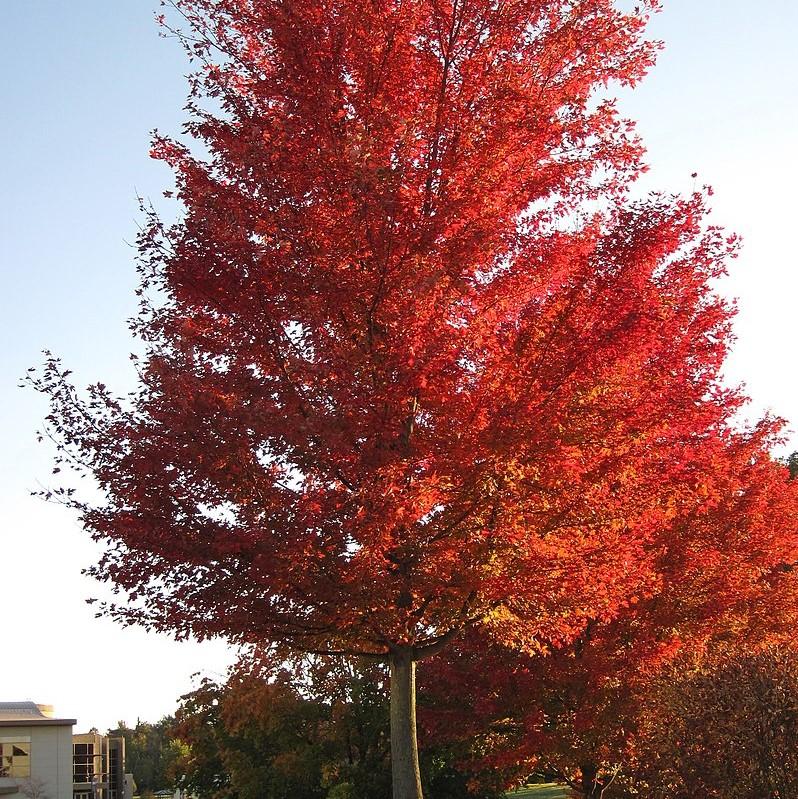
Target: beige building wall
[{"x": 50, "y": 759}]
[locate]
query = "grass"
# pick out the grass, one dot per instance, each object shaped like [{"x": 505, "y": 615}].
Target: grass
[{"x": 540, "y": 792}]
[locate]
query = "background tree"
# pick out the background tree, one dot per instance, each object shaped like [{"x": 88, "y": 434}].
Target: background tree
[
  {"x": 34, "y": 788},
  {"x": 724, "y": 727},
  {"x": 149, "y": 753},
  {"x": 320, "y": 731},
  {"x": 254, "y": 740},
  {"x": 413, "y": 362}
]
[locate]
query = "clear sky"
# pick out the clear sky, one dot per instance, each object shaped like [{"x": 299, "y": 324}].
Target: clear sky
[{"x": 84, "y": 82}]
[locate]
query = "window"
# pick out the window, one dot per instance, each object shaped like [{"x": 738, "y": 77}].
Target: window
[
  {"x": 14, "y": 758},
  {"x": 82, "y": 762}
]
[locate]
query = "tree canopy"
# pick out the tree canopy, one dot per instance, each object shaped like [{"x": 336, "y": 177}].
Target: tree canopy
[{"x": 415, "y": 362}]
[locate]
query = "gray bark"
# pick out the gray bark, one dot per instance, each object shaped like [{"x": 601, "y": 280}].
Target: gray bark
[{"x": 404, "y": 746}]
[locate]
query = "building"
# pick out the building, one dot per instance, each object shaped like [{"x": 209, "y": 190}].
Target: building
[
  {"x": 35, "y": 752},
  {"x": 99, "y": 766},
  {"x": 130, "y": 786},
  {"x": 40, "y": 758}
]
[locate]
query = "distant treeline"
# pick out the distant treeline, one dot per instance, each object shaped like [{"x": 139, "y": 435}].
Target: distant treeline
[{"x": 150, "y": 753}]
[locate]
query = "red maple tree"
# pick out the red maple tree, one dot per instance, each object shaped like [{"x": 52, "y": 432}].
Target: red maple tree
[
  {"x": 724, "y": 579},
  {"x": 414, "y": 361}
]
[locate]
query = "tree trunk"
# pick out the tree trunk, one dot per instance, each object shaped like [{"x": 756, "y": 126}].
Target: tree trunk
[
  {"x": 404, "y": 747},
  {"x": 591, "y": 787}
]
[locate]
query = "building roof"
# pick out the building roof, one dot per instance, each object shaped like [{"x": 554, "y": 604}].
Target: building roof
[{"x": 27, "y": 713}]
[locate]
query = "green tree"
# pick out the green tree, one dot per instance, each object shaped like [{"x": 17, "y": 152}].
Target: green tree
[
  {"x": 792, "y": 464},
  {"x": 149, "y": 753},
  {"x": 320, "y": 730}
]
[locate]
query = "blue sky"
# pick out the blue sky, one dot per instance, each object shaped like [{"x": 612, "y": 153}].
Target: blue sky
[{"x": 83, "y": 84}]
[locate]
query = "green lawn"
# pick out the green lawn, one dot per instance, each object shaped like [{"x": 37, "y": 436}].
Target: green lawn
[{"x": 540, "y": 792}]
